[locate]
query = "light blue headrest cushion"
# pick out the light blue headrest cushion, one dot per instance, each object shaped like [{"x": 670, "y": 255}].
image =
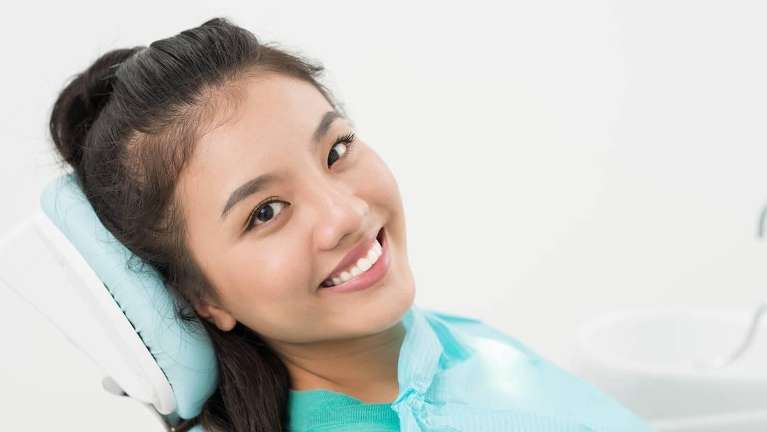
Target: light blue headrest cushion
[{"x": 186, "y": 358}]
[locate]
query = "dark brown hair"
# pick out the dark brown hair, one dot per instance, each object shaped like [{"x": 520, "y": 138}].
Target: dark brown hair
[{"x": 127, "y": 125}]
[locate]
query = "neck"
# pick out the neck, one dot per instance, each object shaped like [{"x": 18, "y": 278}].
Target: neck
[{"x": 363, "y": 367}]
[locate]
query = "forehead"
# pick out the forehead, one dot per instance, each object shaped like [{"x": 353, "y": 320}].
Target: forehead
[
  {"x": 262, "y": 115},
  {"x": 256, "y": 126},
  {"x": 261, "y": 106}
]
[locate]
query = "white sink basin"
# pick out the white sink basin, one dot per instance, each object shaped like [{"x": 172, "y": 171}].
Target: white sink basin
[{"x": 650, "y": 360}]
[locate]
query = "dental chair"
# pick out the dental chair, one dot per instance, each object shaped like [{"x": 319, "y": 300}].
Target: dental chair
[
  {"x": 110, "y": 306},
  {"x": 684, "y": 369},
  {"x": 662, "y": 363}
]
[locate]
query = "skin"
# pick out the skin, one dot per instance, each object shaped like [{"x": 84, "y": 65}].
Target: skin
[{"x": 267, "y": 278}]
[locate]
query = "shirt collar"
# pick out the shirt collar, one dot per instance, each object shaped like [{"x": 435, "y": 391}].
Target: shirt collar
[{"x": 419, "y": 356}]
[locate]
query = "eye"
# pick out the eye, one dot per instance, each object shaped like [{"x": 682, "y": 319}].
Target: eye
[
  {"x": 336, "y": 151},
  {"x": 264, "y": 213}
]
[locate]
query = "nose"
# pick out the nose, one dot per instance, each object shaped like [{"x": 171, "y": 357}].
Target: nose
[{"x": 341, "y": 216}]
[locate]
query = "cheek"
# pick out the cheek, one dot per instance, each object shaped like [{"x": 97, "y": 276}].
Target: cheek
[
  {"x": 378, "y": 182},
  {"x": 264, "y": 275}
]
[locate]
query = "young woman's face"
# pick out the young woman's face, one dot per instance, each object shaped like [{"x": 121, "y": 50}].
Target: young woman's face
[{"x": 270, "y": 251}]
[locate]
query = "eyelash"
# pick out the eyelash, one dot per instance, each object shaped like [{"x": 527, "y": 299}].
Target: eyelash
[{"x": 347, "y": 139}]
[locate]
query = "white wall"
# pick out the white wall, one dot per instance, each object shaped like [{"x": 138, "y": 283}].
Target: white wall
[{"x": 575, "y": 157}]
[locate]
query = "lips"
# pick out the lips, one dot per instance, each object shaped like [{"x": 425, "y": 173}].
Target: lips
[{"x": 357, "y": 252}]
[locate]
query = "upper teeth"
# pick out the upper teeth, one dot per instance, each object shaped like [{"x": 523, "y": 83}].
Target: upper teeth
[{"x": 361, "y": 266}]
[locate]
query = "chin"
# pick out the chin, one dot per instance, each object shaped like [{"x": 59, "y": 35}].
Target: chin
[
  {"x": 390, "y": 312},
  {"x": 380, "y": 315}
]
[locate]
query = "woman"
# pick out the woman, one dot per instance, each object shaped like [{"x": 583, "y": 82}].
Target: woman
[{"x": 227, "y": 165}]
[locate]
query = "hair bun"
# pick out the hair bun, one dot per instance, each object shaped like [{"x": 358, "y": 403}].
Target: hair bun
[{"x": 79, "y": 104}]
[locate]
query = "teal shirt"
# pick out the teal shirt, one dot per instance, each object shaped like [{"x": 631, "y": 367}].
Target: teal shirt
[
  {"x": 459, "y": 374},
  {"x": 326, "y": 410}
]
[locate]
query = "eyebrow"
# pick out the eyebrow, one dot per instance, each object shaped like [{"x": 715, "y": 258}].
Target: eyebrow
[{"x": 261, "y": 182}]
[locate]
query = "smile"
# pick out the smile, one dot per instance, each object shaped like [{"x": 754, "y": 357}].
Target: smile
[{"x": 364, "y": 272}]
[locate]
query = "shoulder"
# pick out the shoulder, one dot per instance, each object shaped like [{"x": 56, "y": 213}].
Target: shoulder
[
  {"x": 472, "y": 327},
  {"x": 498, "y": 371}
]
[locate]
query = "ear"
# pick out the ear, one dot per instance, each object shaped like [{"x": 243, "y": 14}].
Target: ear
[{"x": 216, "y": 314}]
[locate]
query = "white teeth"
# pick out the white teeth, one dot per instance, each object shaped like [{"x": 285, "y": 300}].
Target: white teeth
[
  {"x": 345, "y": 276},
  {"x": 362, "y": 265}
]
